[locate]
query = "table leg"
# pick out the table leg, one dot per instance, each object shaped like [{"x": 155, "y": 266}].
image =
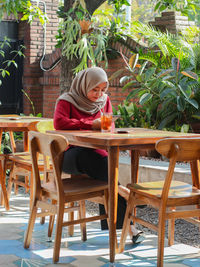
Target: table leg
[
  {"x": 4, "y": 194},
  {"x": 26, "y": 144},
  {"x": 134, "y": 166},
  {"x": 113, "y": 165}
]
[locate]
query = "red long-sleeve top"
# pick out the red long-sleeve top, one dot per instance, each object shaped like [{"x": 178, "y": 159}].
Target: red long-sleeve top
[{"x": 68, "y": 117}]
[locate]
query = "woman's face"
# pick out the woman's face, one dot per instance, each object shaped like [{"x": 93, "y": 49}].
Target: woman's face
[{"x": 94, "y": 94}]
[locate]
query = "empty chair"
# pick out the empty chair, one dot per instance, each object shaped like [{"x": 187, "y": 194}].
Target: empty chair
[
  {"x": 21, "y": 165},
  {"x": 168, "y": 195},
  {"x": 51, "y": 197}
]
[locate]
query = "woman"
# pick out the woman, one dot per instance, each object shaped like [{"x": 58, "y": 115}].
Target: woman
[{"x": 80, "y": 109}]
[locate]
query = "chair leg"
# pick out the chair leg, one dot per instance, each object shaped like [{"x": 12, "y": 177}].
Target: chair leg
[
  {"x": 28, "y": 233},
  {"x": 171, "y": 230},
  {"x": 10, "y": 181},
  {"x": 58, "y": 234},
  {"x": 71, "y": 218},
  {"x": 51, "y": 221},
  {"x": 127, "y": 220},
  {"x": 82, "y": 214},
  {"x": 51, "y": 224},
  {"x": 26, "y": 183},
  {"x": 105, "y": 200},
  {"x": 15, "y": 185},
  {"x": 31, "y": 188},
  {"x": 161, "y": 236}
]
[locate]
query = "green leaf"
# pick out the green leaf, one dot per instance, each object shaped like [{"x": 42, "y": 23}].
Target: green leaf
[
  {"x": 193, "y": 102},
  {"x": 186, "y": 91},
  {"x": 129, "y": 85},
  {"x": 169, "y": 84},
  {"x": 167, "y": 92},
  {"x": 180, "y": 103},
  {"x": 185, "y": 128},
  {"x": 175, "y": 64},
  {"x": 167, "y": 120},
  {"x": 125, "y": 78},
  {"x": 116, "y": 74},
  {"x": 133, "y": 93},
  {"x": 145, "y": 98},
  {"x": 157, "y": 6}
]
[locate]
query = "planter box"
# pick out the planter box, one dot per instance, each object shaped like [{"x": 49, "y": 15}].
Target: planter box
[{"x": 150, "y": 170}]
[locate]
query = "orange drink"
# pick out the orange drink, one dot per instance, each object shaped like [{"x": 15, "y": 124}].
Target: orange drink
[{"x": 106, "y": 122}]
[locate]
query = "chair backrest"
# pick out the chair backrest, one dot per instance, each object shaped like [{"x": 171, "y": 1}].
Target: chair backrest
[
  {"x": 50, "y": 146},
  {"x": 184, "y": 149},
  {"x": 177, "y": 149}
]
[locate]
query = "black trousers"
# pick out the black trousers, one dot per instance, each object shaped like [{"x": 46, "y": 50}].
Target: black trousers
[{"x": 79, "y": 160}]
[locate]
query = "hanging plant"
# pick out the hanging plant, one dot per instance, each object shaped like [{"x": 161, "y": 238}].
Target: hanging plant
[{"x": 79, "y": 38}]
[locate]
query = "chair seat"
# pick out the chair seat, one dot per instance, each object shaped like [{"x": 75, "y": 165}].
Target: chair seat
[
  {"x": 71, "y": 186},
  {"x": 24, "y": 158},
  {"x": 177, "y": 190}
]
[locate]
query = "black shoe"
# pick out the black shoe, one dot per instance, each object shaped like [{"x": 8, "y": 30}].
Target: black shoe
[{"x": 138, "y": 238}]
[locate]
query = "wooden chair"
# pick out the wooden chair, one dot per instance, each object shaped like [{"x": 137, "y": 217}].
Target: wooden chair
[
  {"x": 20, "y": 165},
  {"x": 167, "y": 195},
  {"x": 50, "y": 198}
]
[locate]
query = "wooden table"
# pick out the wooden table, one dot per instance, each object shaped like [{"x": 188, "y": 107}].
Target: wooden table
[
  {"x": 11, "y": 124},
  {"x": 137, "y": 139}
]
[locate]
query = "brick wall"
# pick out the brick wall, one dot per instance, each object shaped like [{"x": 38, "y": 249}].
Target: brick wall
[{"x": 33, "y": 36}]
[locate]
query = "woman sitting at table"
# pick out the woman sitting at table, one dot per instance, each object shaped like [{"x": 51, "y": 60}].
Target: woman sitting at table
[{"x": 80, "y": 109}]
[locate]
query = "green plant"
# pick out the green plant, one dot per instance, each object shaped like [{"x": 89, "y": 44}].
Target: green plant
[
  {"x": 170, "y": 95},
  {"x": 189, "y": 8},
  {"x": 111, "y": 20},
  {"x": 79, "y": 38},
  {"x": 32, "y": 105},
  {"x": 26, "y": 8},
  {"x": 4, "y": 69},
  {"x": 131, "y": 116}
]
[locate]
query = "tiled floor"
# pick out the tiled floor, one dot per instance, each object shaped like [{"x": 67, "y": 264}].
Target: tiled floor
[{"x": 94, "y": 252}]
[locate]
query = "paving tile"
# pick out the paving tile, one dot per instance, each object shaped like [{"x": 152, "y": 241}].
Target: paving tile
[
  {"x": 74, "y": 253},
  {"x": 8, "y": 260}
]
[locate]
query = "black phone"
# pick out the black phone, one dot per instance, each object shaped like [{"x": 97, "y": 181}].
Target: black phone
[{"x": 122, "y": 131}]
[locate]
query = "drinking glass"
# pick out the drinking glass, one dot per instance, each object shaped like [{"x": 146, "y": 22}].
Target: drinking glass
[{"x": 106, "y": 122}]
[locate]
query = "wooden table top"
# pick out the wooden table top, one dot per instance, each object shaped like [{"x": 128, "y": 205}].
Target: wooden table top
[
  {"x": 20, "y": 121},
  {"x": 134, "y": 136}
]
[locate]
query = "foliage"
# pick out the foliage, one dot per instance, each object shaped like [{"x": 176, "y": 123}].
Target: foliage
[
  {"x": 113, "y": 23},
  {"x": 29, "y": 10},
  {"x": 32, "y": 105},
  {"x": 79, "y": 38},
  {"x": 85, "y": 37},
  {"x": 131, "y": 116},
  {"x": 189, "y": 8},
  {"x": 162, "y": 46},
  {"x": 170, "y": 95},
  {"x": 143, "y": 10},
  {"x": 4, "y": 70}
]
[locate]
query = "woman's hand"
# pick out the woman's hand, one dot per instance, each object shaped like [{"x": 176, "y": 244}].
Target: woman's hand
[{"x": 96, "y": 125}]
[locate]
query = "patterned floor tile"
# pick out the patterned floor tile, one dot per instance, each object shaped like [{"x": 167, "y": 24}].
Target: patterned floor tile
[{"x": 75, "y": 253}]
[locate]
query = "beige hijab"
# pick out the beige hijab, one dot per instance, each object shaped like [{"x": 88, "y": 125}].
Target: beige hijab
[{"x": 85, "y": 81}]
